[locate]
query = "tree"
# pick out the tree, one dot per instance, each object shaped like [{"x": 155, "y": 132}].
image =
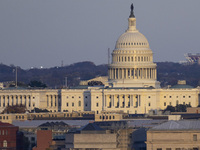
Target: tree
[
  {"x": 93, "y": 83},
  {"x": 38, "y": 110},
  {"x": 177, "y": 108},
  {"x": 14, "y": 109},
  {"x": 37, "y": 84}
]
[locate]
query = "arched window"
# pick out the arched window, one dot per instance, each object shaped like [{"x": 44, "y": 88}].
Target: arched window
[{"x": 5, "y": 144}]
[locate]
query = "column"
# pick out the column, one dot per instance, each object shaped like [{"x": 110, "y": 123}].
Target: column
[
  {"x": 145, "y": 73},
  {"x": 6, "y": 101},
  {"x": 131, "y": 102},
  {"x": 115, "y": 73},
  {"x": 122, "y": 73},
  {"x": 105, "y": 101},
  {"x": 155, "y": 73},
  {"x": 126, "y": 73}
]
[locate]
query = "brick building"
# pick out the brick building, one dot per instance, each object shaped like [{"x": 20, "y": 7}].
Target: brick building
[{"x": 8, "y": 136}]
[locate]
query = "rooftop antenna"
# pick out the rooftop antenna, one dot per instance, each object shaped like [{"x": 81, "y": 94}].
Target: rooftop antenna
[
  {"x": 16, "y": 77},
  {"x": 62, "y": 63}
]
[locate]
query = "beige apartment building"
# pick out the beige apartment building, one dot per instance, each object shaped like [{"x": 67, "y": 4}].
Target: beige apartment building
[{"x": 131, "y": 85}]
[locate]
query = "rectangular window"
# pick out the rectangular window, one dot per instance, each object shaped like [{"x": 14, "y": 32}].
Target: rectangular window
[
  {"x": 159, "y": 148},
  {"x": 97, "y": 104},
  {"x": 72, "y": 104},
  {"x": 194, "y": 137},
  {"x": 149, "y": 104},
  {"x": 168, "y": 149},
  {"x": 67, "y": 104},
  {"x": 164, "y": 103}
]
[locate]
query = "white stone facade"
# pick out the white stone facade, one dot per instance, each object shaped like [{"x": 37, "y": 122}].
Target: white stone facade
[{"x": 133, "y": 86}]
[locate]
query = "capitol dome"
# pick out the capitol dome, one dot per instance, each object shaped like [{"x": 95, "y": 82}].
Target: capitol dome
[
  {"x": 132, "y": 60},
  {"x": 132, "y": 39}
]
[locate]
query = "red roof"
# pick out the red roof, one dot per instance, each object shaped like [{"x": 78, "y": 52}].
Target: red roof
[{"x": 6, "y": 124}]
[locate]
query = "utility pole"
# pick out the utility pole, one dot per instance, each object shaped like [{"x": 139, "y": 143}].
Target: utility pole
[{"x": 16, "y": 77}]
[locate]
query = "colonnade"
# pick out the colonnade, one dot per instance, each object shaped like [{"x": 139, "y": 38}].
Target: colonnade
[
  {"x": 11, "y": 100},
  {"x": 52, "y": 100},
  {"x": 132, "y": 73},
  {"x": 122, "y": 101}
]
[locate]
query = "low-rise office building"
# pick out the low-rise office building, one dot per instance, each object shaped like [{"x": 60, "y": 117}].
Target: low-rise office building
[{"x": 174, "y": 135}]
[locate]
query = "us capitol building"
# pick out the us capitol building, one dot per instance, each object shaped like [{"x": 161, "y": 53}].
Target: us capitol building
[{"x": 132, "y": 85}]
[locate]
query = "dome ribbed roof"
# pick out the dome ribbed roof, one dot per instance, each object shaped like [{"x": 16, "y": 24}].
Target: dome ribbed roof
[{"x": 132, "y": 39}]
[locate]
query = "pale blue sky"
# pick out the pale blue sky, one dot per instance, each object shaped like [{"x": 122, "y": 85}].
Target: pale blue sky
[{"x": 38, "y": 33}]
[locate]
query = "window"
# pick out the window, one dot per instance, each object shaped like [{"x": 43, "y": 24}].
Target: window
[
  {"x": 67, "y": 104},
  {"x": 159, "y": 148},
  {"x": 72, "y": 96},
  {"x": 170, "y": 96},
  {"x": 32, "y": 138},
  {"x": 97, "y": 104},
  {"x": 149, "y": 96},
  {"x": 149, "y": 104},
  {"x": 97, "y": 97},
  {"x": 5, "y": 144},
  {"x": 164, "y": 96},
  {"x": 72, "y": 104},
  {"x": 183, "y": 96},
  {"x": 164, "y": 103},
  {"x": 168, "y": 148},
  {"x": 170, "y": 103},
  {"x": 79, "y": 103},
  {"x": 194, "y": 137}
]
